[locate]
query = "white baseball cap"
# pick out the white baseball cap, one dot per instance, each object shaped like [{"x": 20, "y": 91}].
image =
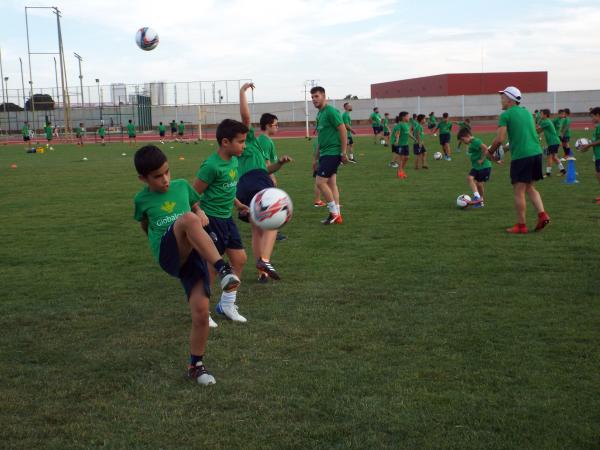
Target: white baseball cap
[{"x": 512, "y": 92}]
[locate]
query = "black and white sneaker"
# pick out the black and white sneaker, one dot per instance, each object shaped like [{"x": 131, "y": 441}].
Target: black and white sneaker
[
  {"x": 267, "y": 267},
  {"x": 331, "y": 219},
  {"x": 229, "y": 280},
  {"x": 200, "y": 374}
]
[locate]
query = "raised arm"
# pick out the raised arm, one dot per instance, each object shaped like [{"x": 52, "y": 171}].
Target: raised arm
[{"x": 244, "y": 108}]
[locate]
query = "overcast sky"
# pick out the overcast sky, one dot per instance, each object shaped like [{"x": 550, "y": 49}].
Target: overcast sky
[{"x": 345, "y": 44}]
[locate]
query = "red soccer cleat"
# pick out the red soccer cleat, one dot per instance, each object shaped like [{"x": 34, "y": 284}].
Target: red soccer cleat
[
  {"x": 319, "y": 203},
  {"x": 543, "y": 220},
  {"x": 518, "y": 228}
]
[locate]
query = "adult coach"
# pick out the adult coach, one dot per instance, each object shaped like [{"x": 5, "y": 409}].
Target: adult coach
[
  {"x": 331, "y": 151},
  {"x": 526, "y": 159}
]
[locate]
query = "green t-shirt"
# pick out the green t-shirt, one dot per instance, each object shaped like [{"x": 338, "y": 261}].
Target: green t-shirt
[
  {"x": 557, "y": 122},
  {"x": 222, "y": 177},
  {"x": 181, "y": 128},
  {"x": 78, "y": 132},
  {"x": 475, "y": 153},
  {"x": 596, "y": 137},
  {"x": 385, "y": 122},
  {"x": 162, "y": 129},
  {"x": 173, "y": 125},
  {"x": 375, "y": 119},
  {"x": 445, "y": 126},
  {"x": 347, "y": 119},
  {"x": 328, "y": 121},
  {"x": 131, "y": 129},
  {"x": 48, "y": 130},
  {"x": 395, "y": 130},
  {"x": 538, "y": 117},
  {"x": 101, "y": 131},
  {"x": 404, "y": 128},
  {"x": 253, "y": 157},
  {"x": 431, "y": 120},
  {"x": 163, "y": 208},
  {"x": 524, "y": 140},
  {"x": 25, "y": 131},
  {"x": 464, "y": 125},
  {"x": 418, "y": 131},
  {"x": 268, "y": 147},
  {"x": 566, "y": 127},
  {"x": 549, "y": 132}
]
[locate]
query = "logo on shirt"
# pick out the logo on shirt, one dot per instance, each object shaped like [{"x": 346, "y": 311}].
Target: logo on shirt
[
  {"x": 168, "y": 207},
  {"x": 232, "y": 174}
]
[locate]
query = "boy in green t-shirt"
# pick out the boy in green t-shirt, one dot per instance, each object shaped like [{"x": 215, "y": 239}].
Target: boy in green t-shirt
[
  {"x": 552, "y": 141},
  {"x": 481, "y": 167},
  {"x": 331, "y": 151},
  {"x": 131, "y": 132},
  {"x": 348, "y": 124},
  {"x": 445, "y": 128},
  {"x": 25, "y": 134},
  {"x": 431, "y": 122},
  {"x": 565, "y": 132},
  {"x": 216, "y": 181},
  {"x": 161, "y": 132},
  {"x": 180, "y": 131},
  {"x": 79, "y": 132},
  {"x": 376, "y": 124},
  {"x": 418, "y": 147},
  {"x": 173, "y": 128},
  {"x": 169, "y": 214},
  {"x": 385, "y": 125},
  {"x": 102, "y": 133},
  {"x": 48, "y": 130},
  {"x": 400, "y": 136},
  {"x": 595, "y": 144},
  {"x": 255, "y": 165}
]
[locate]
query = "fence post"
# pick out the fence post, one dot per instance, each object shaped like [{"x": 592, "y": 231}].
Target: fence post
[{"x": 462, "y": 105}]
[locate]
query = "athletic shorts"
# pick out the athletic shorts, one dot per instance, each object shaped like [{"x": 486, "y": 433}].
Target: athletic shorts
[
  {"x": 431, "y": 126},
  {"x": 377, "y": 130},
  {"x": 350, "y": 140},
  {"x": 404, "y": 150},
  {"x": 191, "y": 272},
  {"x": 565, "y": 139},
  {"x": 132, "y": 136},
  {"x": 552, "y": 149},
  {"x": 481, "y": 175},
  {"x": 386, "y": 133},
  {"x": 445, "y": 138},
  {"x": 526, "y": 170},
  {"x": 162, "y": 134},
  {"x": 597, "y": 166},
  {"x": 328, "y": 166},
  {"x": 180, "y": 133},
  {"x": 396, "y": 149},
  {"x": 314, "y": 174},
  {"x": 26, "y": 139},
  {"x": 251, "y": 183},
  {"x": 173, "y": 130},
  {"x": 418, "y": 149},
  {"x": 224, "y": 234}
]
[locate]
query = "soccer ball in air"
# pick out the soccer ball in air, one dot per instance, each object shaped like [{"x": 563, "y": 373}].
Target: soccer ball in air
[
  {"x": 463, "y": 201},
  {"x": 437, "y": 155},
  {"x": 146, "y": 38},
  {"x": 271, "y": 209},
  {"x": 581, "y": 142}
]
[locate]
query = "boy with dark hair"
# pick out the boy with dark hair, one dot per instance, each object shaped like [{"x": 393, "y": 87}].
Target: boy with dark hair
[
  {"x": 595, "y": 144},
  {"x": 526, "y": 161},
  {"x": 481, "y": 167},
  {"x": 348, "y": 124},
  {"x": 161, "y": 132},
  {"x": 552, "y": 142},
  {"x": 173, "y": 128},
  {"x": 254, "y": 168},
  {"x": 169, "y": 214},
  {"x": 565, "y": 132},
  {"x": 386, "y": 129},
  {"x": 131, "y": 132},
  {"x": 466, "y": 124},
  {"x": 418, "y": 147},
  {"x": 216, "y": 182},
  {"x": 431, "y": 122},
  {"x": 402, "y": 131},
  {"x": 79, "y": 131},
  {"x": 102, "y": 133},
  {"x": 376, "y": 124},
  {"x": 331, "y": 151},
  {"x": 180, "y": 130},
  {"x": 445, "y": 128}
]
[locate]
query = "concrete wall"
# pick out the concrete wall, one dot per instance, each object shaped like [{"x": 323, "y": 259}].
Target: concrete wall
[{"x": 480, "y": 106}]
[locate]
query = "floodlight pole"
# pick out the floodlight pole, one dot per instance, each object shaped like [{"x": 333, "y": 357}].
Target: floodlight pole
[
  {"x": 2, "y": 79},
  {"x": 23, "y": 86},
  {"x": 56, "y": 81},
  {"x": 63, "y": 74},
  {"x": 312, "y": 84},
  {"x": 79, "y": 58},
  {"x": 31, "y": 102}
]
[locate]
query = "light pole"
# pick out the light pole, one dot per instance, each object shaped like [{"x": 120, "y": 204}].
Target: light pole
[
  {"x": 99, "y": 100},
  {"x": 56, "y": 80},
  {"x": 307, "y": 83},
  {"x": 2, "y": 79},
  {"x": 79, "y": 58},
  {"x": 7, "y": 113},
  {"x": 23, "y": 86}
]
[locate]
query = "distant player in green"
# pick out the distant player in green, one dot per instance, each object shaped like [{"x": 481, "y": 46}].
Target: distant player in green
[
  {"x": 331, "y": 151},
  {"x": 431, "y": 122},
  {"x": 347, "y": 119},
  {"x": 131, "y": 132},
  {"x": 102, "y": 133},
  {"x": 537, "y": 116},
  {"x": 385, "y": 125},
  {"x": 400, "y": 136},
  {"x": 565, "y": 132},
  {"x": 48, "y": 130},
  {"x": 173, "y": 128},
  {"x": 557, "y": 121},
  {"x": 169, "y": 214},
  {"x": 481, "y": 166},
  {"x": 465, "y": 124},
  {"x": 216, "y": 181},
  {"x": 526, "y": 161},
  {"x": 254, "y": 168},
  {"x": 180, "y": 130},
  {"x": 79, "y": 134},
  {"x": 552, "y": 142},
  {"x": 419, "y": 149},
  {"x": 376, "y": 124},
  {"x": 161, "y": 132},
  {"x": 595, "y": 144},
  {"x": 25, "y": 134},
  {"x": 444, "y": 127}
]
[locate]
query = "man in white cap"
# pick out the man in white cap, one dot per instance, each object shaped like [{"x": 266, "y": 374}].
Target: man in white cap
[{"x": 526, "y": 159}]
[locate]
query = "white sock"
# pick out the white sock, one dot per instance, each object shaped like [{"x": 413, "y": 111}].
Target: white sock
[
  {"x": 331, "y": 207},
  {"x": 351, "y": 155},
  {"x": 228, "y": 298},
  {"x": 548, "y": 169},
  {"x": 338, "y": 209},
  {"x": 476, "y": 194},
  {"x": 560, "y": 166}
]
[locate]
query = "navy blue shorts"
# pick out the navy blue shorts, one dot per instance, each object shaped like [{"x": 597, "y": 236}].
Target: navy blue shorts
[
  {"x": 161, "y": 133},
  {"x": 565, "y": 139},
  {"x": 173, "y": 130},
  {"x": 193, "y": 270},
  {"x": 350, "y": 140},
  {"x": 395, "y": 149},
  {"x": 417, "y": 149},
  {"x": 377, "y": 130},
  {"x": 552, "y": 149},
  {"x": 526, "y": 170},
  {"x": 445, "y": 138},
  {"x": 224, "y": 234},
  {"x": 404, "y": 150},
  {"x": 386, "y": 133},
  {"x": 597, "y": 166},
  {"x": 431, "y": 126},
  {"x": 481, "y": 175},
  {"x": 328, "y": 166},
  {"x": 252, "y": 182},
  {"x": 26, "y": 138}
]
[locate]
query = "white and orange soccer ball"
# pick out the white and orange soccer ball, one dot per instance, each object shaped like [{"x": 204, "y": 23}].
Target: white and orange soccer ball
[
  {"x": 271, "y": 208},
  {"x": 146, "y": 38}
]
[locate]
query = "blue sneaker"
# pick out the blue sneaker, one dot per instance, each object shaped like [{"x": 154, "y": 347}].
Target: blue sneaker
[{"x": 477, "y": 204}]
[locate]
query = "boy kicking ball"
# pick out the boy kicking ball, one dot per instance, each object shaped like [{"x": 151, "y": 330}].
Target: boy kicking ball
[
  {"x": 169, "y": 214},
  {"x": 595, "y": 144},
  {"x": 481, "y": 167}
]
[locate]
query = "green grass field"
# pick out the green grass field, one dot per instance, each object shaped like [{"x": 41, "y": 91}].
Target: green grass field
[{"x": 412, "y": 325}]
